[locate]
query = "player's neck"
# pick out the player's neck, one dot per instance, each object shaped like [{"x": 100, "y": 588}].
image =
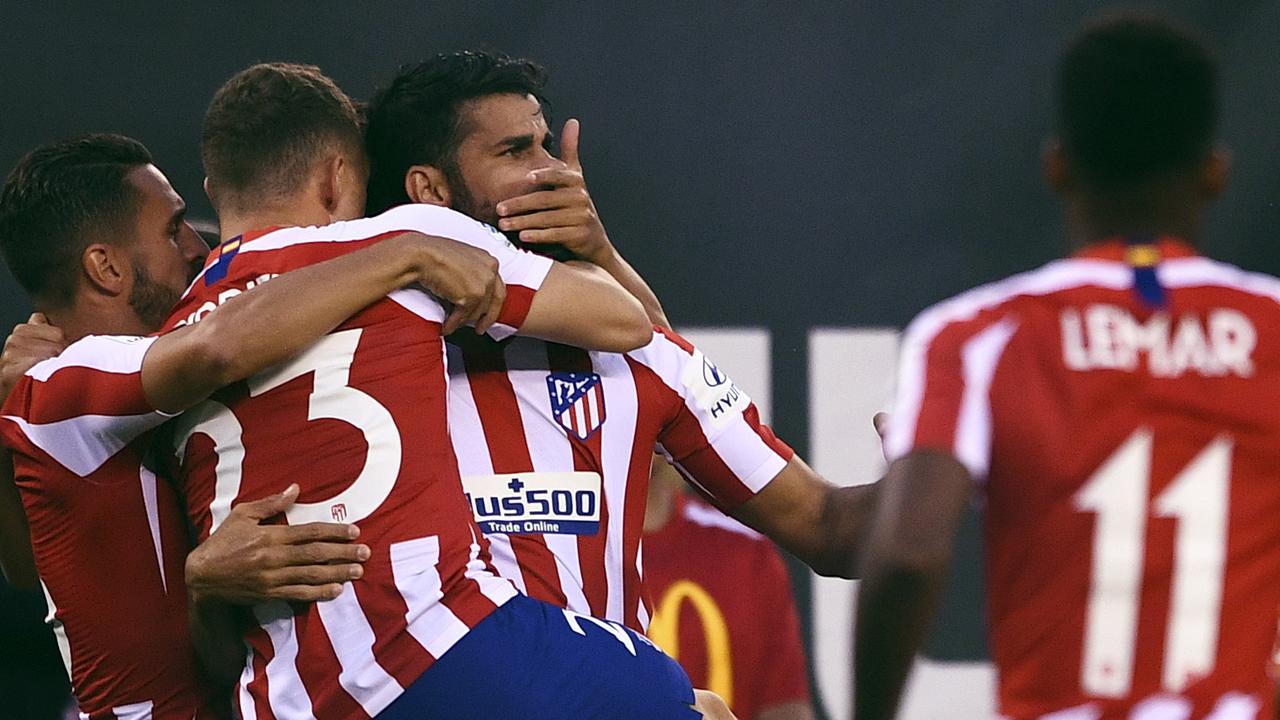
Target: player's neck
[
  {"x": 1086, "y": 228},
  {"x": 87, "y": 318},
  {"x": 302, "y": 214}
]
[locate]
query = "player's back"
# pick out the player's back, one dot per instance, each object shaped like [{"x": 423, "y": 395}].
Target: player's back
[
  {"x": 109, "y": 536},
  {"x": 359, "y": 421},
  {"x": 1133, "y": 557}
]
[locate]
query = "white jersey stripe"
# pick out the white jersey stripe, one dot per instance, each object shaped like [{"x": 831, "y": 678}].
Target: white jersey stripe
[
  {"x": 134, "y": 711},
  {"x": 617, "y": 436},
  {"x": 59, "y": 632},
  {"x": 753, "y": 462},
  {"x": 549, "y": 451},
  {"x": 248, "y": 708},
  {"x": 149, "y": 500},
  {"x": 973, "y": 434},
  {"x": 286, "y": 694},
  {"x": 84, "y": 443},
  {"x": 430, "y": 622},
  {"x": 119, "y": 354},
  {"x": 498, "y": 591},
  {"x": 364, "y": 679}
]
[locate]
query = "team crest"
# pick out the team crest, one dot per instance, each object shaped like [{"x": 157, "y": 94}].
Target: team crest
[{"x": 577, "y": 402}]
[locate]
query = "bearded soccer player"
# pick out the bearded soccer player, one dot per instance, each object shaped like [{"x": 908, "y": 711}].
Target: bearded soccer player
[
  {"x": 1114, "y": 410},
  {"x": 430, "y": 629},
  {"x": 555, "y": 442},
  {"x": 96, "y": 234}
]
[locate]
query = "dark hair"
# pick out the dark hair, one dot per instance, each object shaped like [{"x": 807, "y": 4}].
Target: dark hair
[
  {"x": 1138, "y": 100},
  {"x": 56, "y": 200},
  {"x": 415, "y": 120},
  {"x": 267, "y": 126}
]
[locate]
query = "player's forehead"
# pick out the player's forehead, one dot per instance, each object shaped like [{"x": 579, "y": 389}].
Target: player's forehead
[
  {"x": 156, "y": 197},
  {"x": 493, "y": 118}
]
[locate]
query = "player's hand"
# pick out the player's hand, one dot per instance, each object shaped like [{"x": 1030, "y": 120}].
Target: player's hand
[
  {"x": 245, "y": 561},
  {"x": 467, "y": 278},
  {"x": 29, "y": 343},
  {"x": 562, "y": 212}
]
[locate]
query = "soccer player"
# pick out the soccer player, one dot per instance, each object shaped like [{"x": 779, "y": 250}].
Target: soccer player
[
  {"x": 1115, "y": 411},
  {"x": 95, "y": 234},
  {"x": 555, "y": 442},
  {"x": 429, "y": 629},
  {"x": 725, "y": 611}
]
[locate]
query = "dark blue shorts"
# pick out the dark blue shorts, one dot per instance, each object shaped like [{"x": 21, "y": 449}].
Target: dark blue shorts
[{"x": 533, "y": 661}]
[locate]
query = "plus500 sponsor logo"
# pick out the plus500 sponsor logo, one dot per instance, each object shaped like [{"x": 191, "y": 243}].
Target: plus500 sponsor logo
[{"x": 535, "y": 504}]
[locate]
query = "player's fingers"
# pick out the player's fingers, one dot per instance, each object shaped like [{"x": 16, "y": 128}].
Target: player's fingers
[
  {"x": 564, "y": 217},
  {"x": 46, "y": 333},
  {"x": 569, "y": 138},
  {"x": 558, "y": 178},
  {"x": 325, "y": 553},
  {"x": 306, "y": 593},
  {"x": 493, "y": 309},
  {"x": 560, "y": 236},
  {"x": 534, "y": 201},
  {"x": 268, "y": 506},
  {"x": 315, "y": 532},
  {"x": 38, "y": 319},
  {"x": 457, "y": 318}
]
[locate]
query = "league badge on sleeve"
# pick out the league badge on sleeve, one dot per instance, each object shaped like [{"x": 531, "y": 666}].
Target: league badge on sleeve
[{"x": 577, "y": 402}]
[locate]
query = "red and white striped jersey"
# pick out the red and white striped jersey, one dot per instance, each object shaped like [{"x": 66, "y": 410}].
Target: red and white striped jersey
[
  {"x": 1128, "y": 452},
  {"x": 110, "y": 540},
  {"x": 359, "y": 421},
  {"x": 555, "y": 445}
]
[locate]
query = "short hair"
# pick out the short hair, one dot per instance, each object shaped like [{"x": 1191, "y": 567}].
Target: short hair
[
  {"x": 268, "y": 125},
  {"x": 416, "y": 118},
  {"x": 57, "y": 200},
  {"x": 1137, "y": 100}
]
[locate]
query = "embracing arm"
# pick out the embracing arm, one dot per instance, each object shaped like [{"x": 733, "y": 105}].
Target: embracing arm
[
  {"x": 16, "y": 557},
  {"x": 904, "y": 571},
  {"x": 585, "y": 307},
  {"x": 824, "y": 525},
  {"x": 275, "y": 321}
]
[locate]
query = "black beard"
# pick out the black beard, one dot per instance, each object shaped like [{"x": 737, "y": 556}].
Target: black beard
[
  {"x": 464, "y": 202},
  {"x": 151, "y": 301}
]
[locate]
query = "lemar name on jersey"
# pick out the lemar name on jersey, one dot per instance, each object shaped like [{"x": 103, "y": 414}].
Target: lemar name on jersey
[{"x": 1109, "y": 337}]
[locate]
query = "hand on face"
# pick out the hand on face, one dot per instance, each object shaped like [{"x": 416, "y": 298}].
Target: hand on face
[
  {"x": 31, "y": 342},
  {"x": 246, "y": 561},
  {"x": 563, "y": 213}
]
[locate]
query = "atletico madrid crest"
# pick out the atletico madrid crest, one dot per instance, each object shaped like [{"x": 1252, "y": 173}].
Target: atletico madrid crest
[{"x": 577, "y": 402}]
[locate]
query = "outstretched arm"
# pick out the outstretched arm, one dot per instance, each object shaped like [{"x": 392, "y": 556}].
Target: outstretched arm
[
  {"x": 904, "y": 571},
  {"x": 824, "y": 525},
  {"x": 275, "y": 321}
]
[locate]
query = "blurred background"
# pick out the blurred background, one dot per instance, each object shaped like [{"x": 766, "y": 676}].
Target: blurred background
[{"x": 796, "y": 180}]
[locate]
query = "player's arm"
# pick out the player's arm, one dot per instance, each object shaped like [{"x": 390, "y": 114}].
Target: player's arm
[
  {"x": 16, "y": 557},
  {"x": 823, "y": 525},
  {"x": 586, "y": 308},
  {"x": 562, "y": 213},
  {"x": 905, "y": 565},
  {"x": 278, "y": 319}
]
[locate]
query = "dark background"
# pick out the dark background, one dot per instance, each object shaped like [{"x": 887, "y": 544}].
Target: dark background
[{"x": 785, "y": 164}]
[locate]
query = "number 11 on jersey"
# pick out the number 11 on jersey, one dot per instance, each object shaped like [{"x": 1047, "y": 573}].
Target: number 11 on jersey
[{"x": 1117, "y": 493}]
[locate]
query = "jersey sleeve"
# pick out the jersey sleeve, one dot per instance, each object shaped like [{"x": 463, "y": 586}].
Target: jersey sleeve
[
  {"x": 943, "y": 400},
  {"x": 522, "y": 272},
  {"x": 83, "y": 406},
  {"x": 711, "y": 431}
]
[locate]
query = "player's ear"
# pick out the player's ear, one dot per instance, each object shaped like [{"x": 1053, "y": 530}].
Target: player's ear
[
  {"x": 330, "y": 183},
  {"x": 1215, "y": 172},
  {"x": 208, "y": 192},
  {"x": 106, "y": 268},
  {"x": 427, "y": 184},
  {"x": 1054, "y": 165}
]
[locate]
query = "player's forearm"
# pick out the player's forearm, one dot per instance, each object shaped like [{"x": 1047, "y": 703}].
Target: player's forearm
[
  {"x": 215, "y": 629},
  {"x": 895, "y": 606},
  {"x": 586, "y": 308},
  {"x": 17, "y": 560},
  {"x": 273, "y": 322},
  {"x": 619, "y": 269}
]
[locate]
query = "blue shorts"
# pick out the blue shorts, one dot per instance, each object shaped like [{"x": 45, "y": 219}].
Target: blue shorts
[{"x": 530, "y": 660}]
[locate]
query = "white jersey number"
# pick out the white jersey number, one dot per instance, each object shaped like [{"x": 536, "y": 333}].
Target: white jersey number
[
  {"x": 1198, "y": 498},
  {"x": 331, "y": 398}
]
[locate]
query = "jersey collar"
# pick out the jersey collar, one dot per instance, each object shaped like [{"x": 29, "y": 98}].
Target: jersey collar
[{"x": 1123, "y": 249}]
